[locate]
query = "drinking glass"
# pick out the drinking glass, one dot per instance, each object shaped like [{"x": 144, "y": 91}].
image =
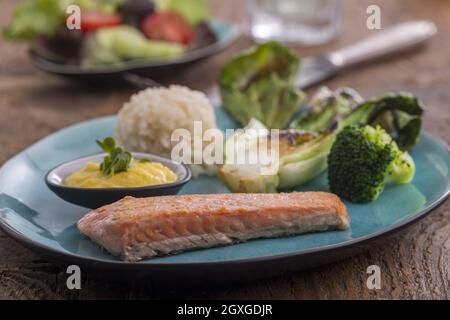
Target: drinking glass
[{"x": 309, "y": 22}]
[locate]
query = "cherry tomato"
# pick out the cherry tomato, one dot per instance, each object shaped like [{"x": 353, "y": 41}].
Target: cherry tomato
[
  {"x": 168, "y": 26},
  {"x": 93, "y": 20}
]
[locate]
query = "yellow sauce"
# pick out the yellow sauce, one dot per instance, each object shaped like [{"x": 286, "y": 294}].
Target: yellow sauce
[{"x": 138, "y": 175}]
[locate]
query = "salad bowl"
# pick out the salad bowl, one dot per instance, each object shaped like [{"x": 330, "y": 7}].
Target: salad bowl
[{"x": 226, "y": 34}]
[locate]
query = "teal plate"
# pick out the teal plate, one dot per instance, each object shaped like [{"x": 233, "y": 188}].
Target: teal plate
[{"x": 32, "y": 214}]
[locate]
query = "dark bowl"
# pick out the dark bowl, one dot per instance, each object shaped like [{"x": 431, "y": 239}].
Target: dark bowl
[
  {"x": 96, "y": 197},
  {"x": 225, "y": 32}
]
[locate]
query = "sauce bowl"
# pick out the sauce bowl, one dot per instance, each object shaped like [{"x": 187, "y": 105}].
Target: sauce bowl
[{"x": 96, "y": 197}]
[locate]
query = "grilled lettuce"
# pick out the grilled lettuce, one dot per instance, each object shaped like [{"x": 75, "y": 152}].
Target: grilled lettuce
[
  {"x": 258, "y": 84},
  {"x": 326, "y": 108},
  {"x": 299, "y": 156},
  {"x": 400, "y": 114},
  {"x": 302, "y": 155}
]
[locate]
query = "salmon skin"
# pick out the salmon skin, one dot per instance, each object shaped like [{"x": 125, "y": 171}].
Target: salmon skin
[{"x": 142, "y": 228}]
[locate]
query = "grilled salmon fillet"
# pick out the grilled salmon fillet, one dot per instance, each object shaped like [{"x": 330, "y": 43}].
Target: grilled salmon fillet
[{"x": 142, "y": 228}]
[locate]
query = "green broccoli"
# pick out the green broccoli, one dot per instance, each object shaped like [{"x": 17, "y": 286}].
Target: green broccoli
[{"x": 363, "y": 160}]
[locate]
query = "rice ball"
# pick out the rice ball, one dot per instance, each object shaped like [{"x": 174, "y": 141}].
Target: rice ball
[{"x": 147, "y": 121}]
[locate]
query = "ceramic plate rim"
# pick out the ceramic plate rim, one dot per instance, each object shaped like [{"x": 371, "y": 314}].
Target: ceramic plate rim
[
  {"x": 21, "y": 238},
  {"x": 32, "y": 244}
]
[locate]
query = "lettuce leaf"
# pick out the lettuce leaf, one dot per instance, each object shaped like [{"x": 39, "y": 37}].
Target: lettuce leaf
[
  {"x": 35, "y": 17},
  {"x": 259, "y": 84},
  {"x": 194, "y": 11}
]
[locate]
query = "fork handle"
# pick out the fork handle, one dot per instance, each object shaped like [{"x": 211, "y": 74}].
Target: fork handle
[{"x": 389, "y": 41}]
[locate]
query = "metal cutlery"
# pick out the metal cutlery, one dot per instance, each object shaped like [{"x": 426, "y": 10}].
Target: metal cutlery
[
  {"x": 399, "y": 38},
  {"x": 402, "y": 37}
]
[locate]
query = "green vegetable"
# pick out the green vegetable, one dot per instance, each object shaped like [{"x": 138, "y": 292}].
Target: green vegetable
[
  {"x": 194, "y": 11},
  {"x": 116, "y": 44},
  {"x": 300, "y": 157},
  {"x": 236, "y": 181},
  {"x": 325, "y": 108},
  {"x": 35, "y": 17},
  {"x": 303, "y": 155},
  {"x": 363, "y": 160},
  {"x": 118, "y": 160},
  {"x": 259, "y": 84},
  {"x": 247, "y": 177},
  {"x": 398, "y": 113},
  {"x": 313, "y": 157},
  {"x": 305, "y": 161}
]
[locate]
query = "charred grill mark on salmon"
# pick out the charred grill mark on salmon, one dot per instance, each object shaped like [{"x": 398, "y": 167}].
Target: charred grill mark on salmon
[{"x": 142, "y": 228}]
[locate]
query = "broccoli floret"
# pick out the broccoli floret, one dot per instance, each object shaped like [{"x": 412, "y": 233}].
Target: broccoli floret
[{"x": 363, "y": 160}]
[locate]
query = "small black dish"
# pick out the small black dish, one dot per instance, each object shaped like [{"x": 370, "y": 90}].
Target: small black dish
[
  {"x": 226, "y": 34},
  {"x": 96, "y": 197}
]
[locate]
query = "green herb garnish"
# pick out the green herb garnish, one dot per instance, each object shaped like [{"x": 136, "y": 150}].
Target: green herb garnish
[
  {"x": 145, "y": 160},
  {"x": 117, "y": 161}
]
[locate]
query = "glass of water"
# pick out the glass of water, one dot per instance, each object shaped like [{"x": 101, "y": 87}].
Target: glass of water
[{"x": 308, "y": 22}]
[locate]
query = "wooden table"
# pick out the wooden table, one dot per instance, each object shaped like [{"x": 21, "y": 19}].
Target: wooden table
[{"x": 414, "y": 264}]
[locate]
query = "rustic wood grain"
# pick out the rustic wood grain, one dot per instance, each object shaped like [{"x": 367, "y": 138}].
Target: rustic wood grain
[{"x": 415, "y": 264}]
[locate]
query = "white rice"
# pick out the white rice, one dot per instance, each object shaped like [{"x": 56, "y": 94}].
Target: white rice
[{"x": 146, "y": 122}]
